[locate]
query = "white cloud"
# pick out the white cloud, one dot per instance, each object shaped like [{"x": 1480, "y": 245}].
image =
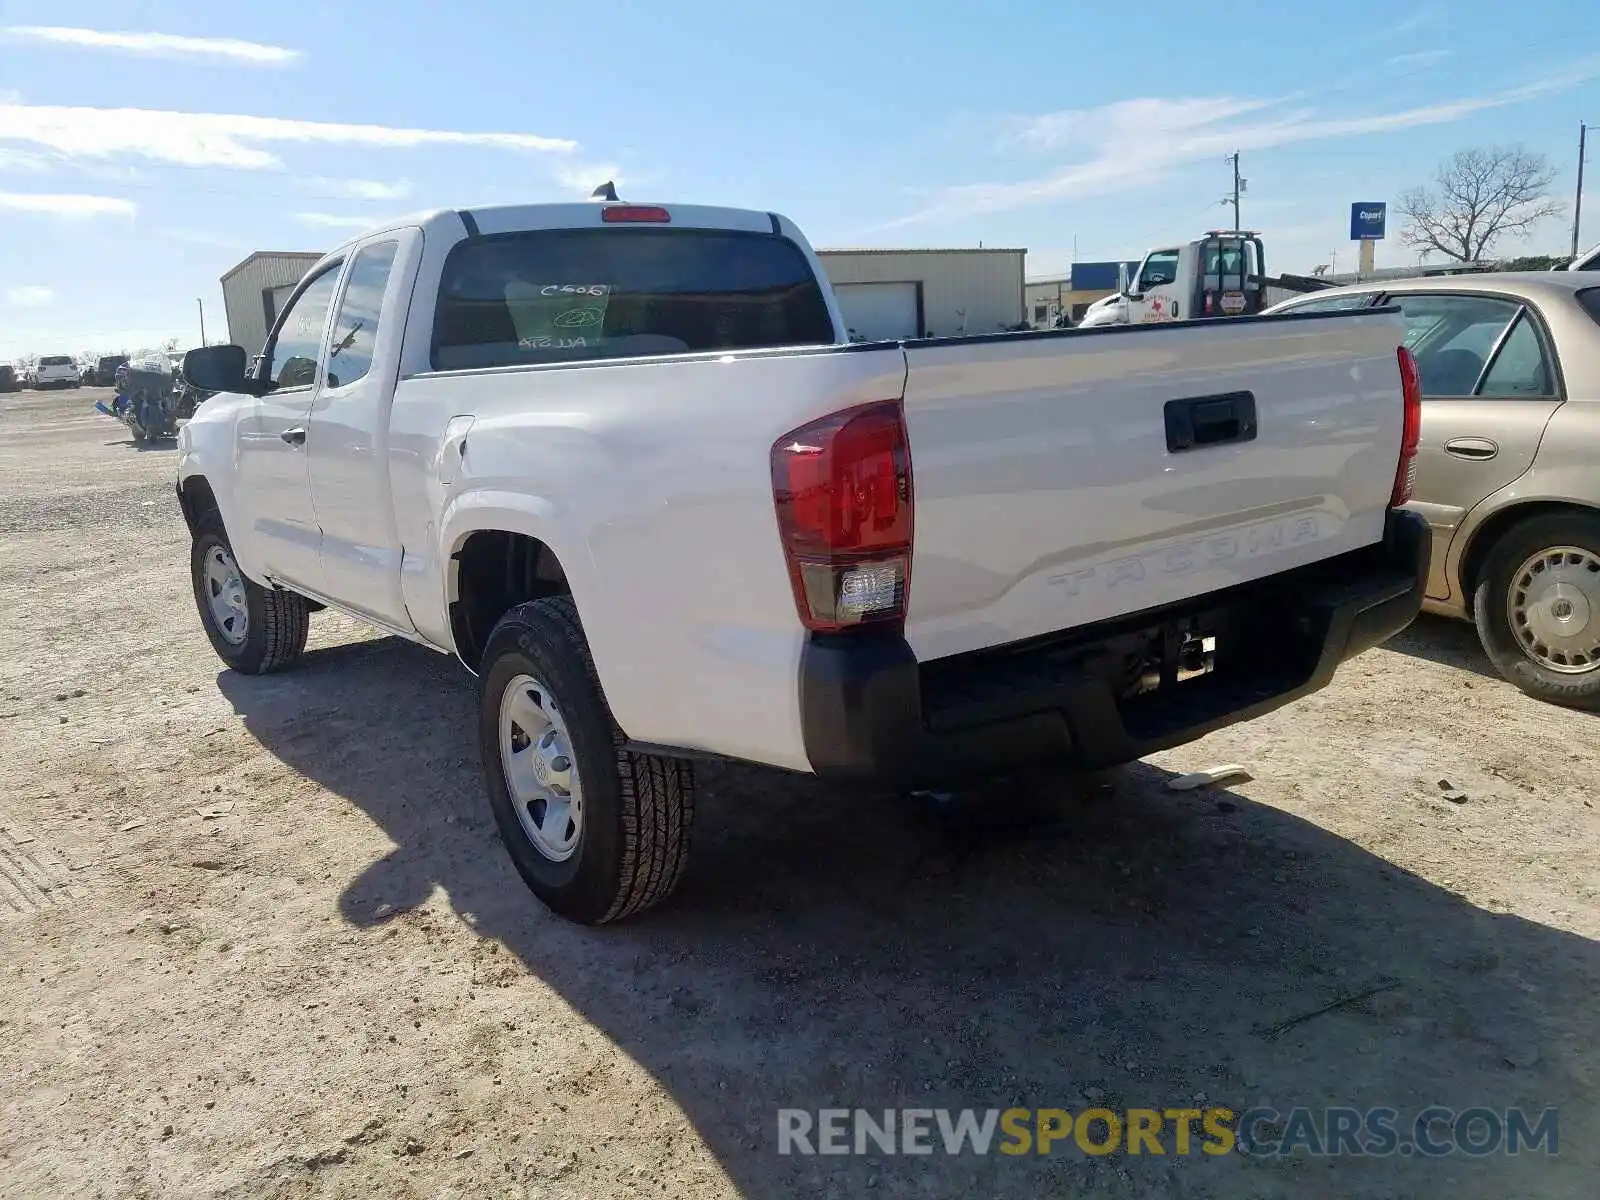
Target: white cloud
[
  {"x": 220, "y": 139},
  {"x": 1419, "y": 19},
  {"x": 1125, "y": 118},
  {"x": 163, "y": 44},
  {"x": 581, "y": 178},
  {"x": 22, "y": 160},
  {"x": 357, "y": 189},
  {"x": 1133, "y": 143},
  {"x": 67, "y": 205},
  {"x": 336, "y": 220},
  {"x": 1418, "y": 58},
  {"x": 30, "y": 296}
]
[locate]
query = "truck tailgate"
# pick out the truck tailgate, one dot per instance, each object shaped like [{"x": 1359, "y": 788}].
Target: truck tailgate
[{"x": 1047, "y": 496}]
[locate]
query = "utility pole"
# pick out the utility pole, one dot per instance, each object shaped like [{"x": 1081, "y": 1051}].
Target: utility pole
[
  {"x": 1577, "y": 205},
  {"x": 202, "y": 305},
  {"x": 1238, "y": 186}
]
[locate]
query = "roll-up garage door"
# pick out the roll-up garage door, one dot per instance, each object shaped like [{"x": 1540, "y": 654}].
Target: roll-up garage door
[{"x": 879, "y": 311}]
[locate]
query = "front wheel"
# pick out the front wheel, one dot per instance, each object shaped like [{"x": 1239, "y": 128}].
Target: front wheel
[
  {"x": 1537, "y": 607},
  {"x": 597, "y": 832},
  {"x": 253, "y": 629}
]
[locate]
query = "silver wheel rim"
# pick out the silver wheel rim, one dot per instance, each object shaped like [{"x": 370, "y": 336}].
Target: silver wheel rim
[
  {"x": 230, "y": 611},
  {"x": 536, "y": 756},
  {"x": 1554, "y": 606}
]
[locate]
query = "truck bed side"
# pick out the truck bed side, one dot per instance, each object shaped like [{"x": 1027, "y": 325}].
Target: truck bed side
[{"x": 650, "y": 480}]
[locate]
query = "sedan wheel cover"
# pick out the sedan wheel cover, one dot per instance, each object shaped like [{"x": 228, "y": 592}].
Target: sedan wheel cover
[{"x": 1554, "y": 609}]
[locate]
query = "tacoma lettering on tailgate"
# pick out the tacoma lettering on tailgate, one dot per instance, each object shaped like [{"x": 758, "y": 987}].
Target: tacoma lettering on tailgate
[{"x": 1198, "y": 554}]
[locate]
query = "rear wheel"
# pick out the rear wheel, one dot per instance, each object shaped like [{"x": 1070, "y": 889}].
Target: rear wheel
[
  {"x": 597, "y": 832},
  {"x": 253, "y": 629},
  {"x": 1537, "y": 607}
]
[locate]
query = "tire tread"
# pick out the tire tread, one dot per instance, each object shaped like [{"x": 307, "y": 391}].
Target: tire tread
[{"x": 656, "y": 793}]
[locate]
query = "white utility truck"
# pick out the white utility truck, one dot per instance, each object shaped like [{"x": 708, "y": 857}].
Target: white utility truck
[
  {"x": 1222, "y": 274},
  {"x": 622, "y": 461}
]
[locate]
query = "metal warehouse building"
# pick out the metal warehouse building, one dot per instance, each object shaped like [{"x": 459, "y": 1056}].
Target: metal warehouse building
[
  {"x": 883, "y": 293},
  {"x": 911, "y": 293},
  {"x": 254, "y": 291}
]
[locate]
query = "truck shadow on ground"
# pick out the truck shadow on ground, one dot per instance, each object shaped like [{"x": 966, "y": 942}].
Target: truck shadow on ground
[
  {"x": 132, "y": 443},
  {"x": 1048, "y": 942},
  {"x": 1446, "y": 641}
]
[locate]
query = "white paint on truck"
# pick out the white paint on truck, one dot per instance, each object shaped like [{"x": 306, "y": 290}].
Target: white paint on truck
[{"x": 882, "y": 563}]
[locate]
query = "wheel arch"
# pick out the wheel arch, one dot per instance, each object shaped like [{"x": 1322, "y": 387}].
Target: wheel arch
[
  {"x": 196, "y": 498},
  {"x": 1483, "y": 538},
  {"x": 491, "y": 571}
]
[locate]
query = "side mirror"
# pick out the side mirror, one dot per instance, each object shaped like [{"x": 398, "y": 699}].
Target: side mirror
[{"x": 219, "y": 369}]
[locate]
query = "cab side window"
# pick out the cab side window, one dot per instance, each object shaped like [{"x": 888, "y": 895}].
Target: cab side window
[
  {"x": 356, "y": 327},
  {"x": 292, "y": 358},
  {"x": 1160, "y": 268}
]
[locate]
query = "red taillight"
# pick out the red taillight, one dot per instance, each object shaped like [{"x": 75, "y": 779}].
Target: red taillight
[
  {"x": 1405, "y": 475},
  {"x": 615, "y": 213},
  {"x": 842, "y": 486}
]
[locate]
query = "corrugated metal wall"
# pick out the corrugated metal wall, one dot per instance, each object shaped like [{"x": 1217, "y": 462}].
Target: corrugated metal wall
[
  {"x": 244, "y": 294},
  {"x": 963, "y": 291}
]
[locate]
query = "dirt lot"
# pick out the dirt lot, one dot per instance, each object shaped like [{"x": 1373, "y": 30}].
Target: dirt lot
[{"x": 259, "y": 938}]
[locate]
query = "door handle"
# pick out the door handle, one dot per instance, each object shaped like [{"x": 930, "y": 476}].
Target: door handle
[
  {"x": 1210, "y": 421},
  {"x": 295, "y": 436},
  {"x": 1472, "y": 447}
]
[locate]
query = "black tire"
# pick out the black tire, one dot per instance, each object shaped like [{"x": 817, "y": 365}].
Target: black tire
[
  {"x": 276, "y": 622},
  {"x": 1491, "y": 607},
  {"x": 637, "y": 809}
]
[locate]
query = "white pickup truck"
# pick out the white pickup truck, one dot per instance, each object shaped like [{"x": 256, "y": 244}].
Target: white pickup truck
[{"x": 622, "y": 461}]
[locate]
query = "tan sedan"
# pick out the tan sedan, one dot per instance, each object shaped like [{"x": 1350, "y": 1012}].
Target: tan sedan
[{"x": 1508, "y": 473}]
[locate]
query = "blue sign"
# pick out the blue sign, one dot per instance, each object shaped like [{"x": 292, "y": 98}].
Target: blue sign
[{"x": 1367, "y": 221}]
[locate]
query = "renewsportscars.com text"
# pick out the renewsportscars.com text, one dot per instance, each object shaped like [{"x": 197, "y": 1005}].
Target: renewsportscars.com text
[{"x": 1432, "y": 1132}]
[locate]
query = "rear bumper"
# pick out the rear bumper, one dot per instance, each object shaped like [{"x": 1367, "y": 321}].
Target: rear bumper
[{"x": 871, "y": 714}]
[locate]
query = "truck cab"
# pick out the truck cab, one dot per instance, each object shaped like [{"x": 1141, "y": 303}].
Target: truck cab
[{"x": 1222, "y": 274}]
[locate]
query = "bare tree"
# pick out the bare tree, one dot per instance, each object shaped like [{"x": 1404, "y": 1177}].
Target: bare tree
[{"x": 1479, "y": 196}]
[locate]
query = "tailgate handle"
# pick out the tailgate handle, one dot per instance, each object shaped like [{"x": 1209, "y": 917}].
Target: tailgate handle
[{"x": 1210, "y": 421}]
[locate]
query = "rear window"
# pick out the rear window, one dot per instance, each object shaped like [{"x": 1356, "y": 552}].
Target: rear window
[
  {"x": 1589, "y": 299},
  {"x": 55, "y": 360},
  {"x": 573, "y": 295}
]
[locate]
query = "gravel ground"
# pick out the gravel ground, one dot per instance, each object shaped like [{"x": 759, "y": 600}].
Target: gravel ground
[{"x": 259, "y": 938}]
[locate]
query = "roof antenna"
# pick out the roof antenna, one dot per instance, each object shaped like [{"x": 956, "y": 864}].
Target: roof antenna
[{"x": 606, "y": 191}]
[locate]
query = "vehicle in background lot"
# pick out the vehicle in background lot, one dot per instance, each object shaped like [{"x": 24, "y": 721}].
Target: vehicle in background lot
[
  {"x": 147, "y": 401},
  {"x": 9, "y": 381},
  {"x": 1222, "y": 274},
  {"x": 622, "y": 461},
  {"x": 55, "y": 371},
  {"x": 105, "y": 369},
  {"x": 1589, "y": 260},
  {"x": 1508, "y": 474}
]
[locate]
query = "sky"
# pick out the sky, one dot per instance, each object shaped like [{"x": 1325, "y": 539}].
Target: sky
[{"x": 146, "y": 147}]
